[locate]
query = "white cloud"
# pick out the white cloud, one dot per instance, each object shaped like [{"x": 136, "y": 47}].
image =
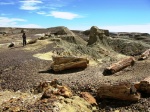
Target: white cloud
[
  {"x": 63, "y": 15},
  {"x": 4, "y": 21},
  {"x": 13, "y": 22},
  {"x": 145, "y": 28},
  {"x": 7, "y": 3},
  {"x": 30, "y": 4},
  {"x": 41, "y": 13}
]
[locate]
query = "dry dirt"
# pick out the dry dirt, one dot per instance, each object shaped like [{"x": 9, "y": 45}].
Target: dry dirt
[{"x": 22, "y": 68}]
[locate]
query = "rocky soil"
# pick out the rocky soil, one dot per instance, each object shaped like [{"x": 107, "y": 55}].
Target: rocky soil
[{"x": 23, "y": 68}]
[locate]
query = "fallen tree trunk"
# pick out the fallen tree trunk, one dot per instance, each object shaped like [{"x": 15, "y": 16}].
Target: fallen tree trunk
[
  {"x": 119, "y": 66},
  {"x": 61, "y": 60},
  {"x": 120, "y": 92},
  {"x": 63, "y": 63},
  {"x": 145, "y": 55}
]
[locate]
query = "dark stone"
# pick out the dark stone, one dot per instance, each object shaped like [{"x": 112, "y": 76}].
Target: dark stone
[{"x": 11, "y": 45}]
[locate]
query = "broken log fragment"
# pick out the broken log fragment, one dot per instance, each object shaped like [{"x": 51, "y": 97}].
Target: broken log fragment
[
  {"x": 119, "y": 66},
  {"x": 120, "y": 92},
  {"x": 145, "y": 85},
  {"x": 145, "y": 55},
  {"x": 63, "y": 63},
  {"x": 89, "y": 98},
  {"x": 137, "y": 85}
]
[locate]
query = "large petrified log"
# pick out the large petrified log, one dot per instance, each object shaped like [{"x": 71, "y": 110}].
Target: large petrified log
[
  {"x": 143, "y": 86},
  {"x": 145, "y": 55},
  {"x": 63, "y": 63},
  {"x": 120, "y": 92},
  {"x": 119, "y": 66}
]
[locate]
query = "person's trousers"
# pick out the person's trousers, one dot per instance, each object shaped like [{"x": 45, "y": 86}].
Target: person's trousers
[{"x": 24, "y": 41}]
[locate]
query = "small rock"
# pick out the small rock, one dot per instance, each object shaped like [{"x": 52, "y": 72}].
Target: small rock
[
  {"x": 11, "y": 45},
  {"x": 64, "y": 91}
]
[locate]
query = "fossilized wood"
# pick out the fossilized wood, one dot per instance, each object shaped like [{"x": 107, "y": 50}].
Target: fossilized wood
[
  {"x": 53, "y": 89},
  {"x": 62, "y": 63},
  {"x": 145, "y": 85},
  {"x": 120, "y": 92},
  {"x": 52, "y": 92},
  {"x": 119, "y": 65},
  {"x": 64, "y": 91},
  {"x": 89, "y": 98},
  {"x": 145, "y": 55},
  {"x": 80, "y": 64},
  {"x": 61, "y": 60},
  {"x": 137, "y": 85}
]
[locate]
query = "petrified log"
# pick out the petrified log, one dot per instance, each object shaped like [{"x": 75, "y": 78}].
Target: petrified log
[
  {"x": 61, "y": 60},
  {"x": 145, "y": 85},
  {"x": 63, "y": 63},
  {"x": 120, "y": 92},
  {"x": 119, "y": 66},
  {"x": 145, "y": 55}
]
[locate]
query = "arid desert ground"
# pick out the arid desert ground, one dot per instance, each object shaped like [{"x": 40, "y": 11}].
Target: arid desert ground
[{"x": 22, "y": 69}]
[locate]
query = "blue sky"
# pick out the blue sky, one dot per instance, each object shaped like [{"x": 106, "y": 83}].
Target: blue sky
[{"x": 114, "y": 15}]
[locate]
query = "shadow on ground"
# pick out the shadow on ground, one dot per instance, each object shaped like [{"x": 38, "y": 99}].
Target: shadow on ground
[
  {"x": 107, "y": 72},
  {"x": 62, "y": 72},
  {"x": 16, "y": 47},
  {"x": 109, "y": 104}
]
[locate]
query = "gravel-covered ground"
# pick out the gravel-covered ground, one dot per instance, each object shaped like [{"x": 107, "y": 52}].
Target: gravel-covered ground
[{"x": 19, "y": 70}]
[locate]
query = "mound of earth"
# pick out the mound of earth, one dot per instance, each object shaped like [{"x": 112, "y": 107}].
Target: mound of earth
[{"x": 120, "y": 45}]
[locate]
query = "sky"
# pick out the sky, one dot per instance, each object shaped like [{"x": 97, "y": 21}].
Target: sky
[{"x": 114, "y": 15}]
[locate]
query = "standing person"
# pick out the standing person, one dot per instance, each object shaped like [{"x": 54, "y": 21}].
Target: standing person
[{"x": 24, "y": 39}]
